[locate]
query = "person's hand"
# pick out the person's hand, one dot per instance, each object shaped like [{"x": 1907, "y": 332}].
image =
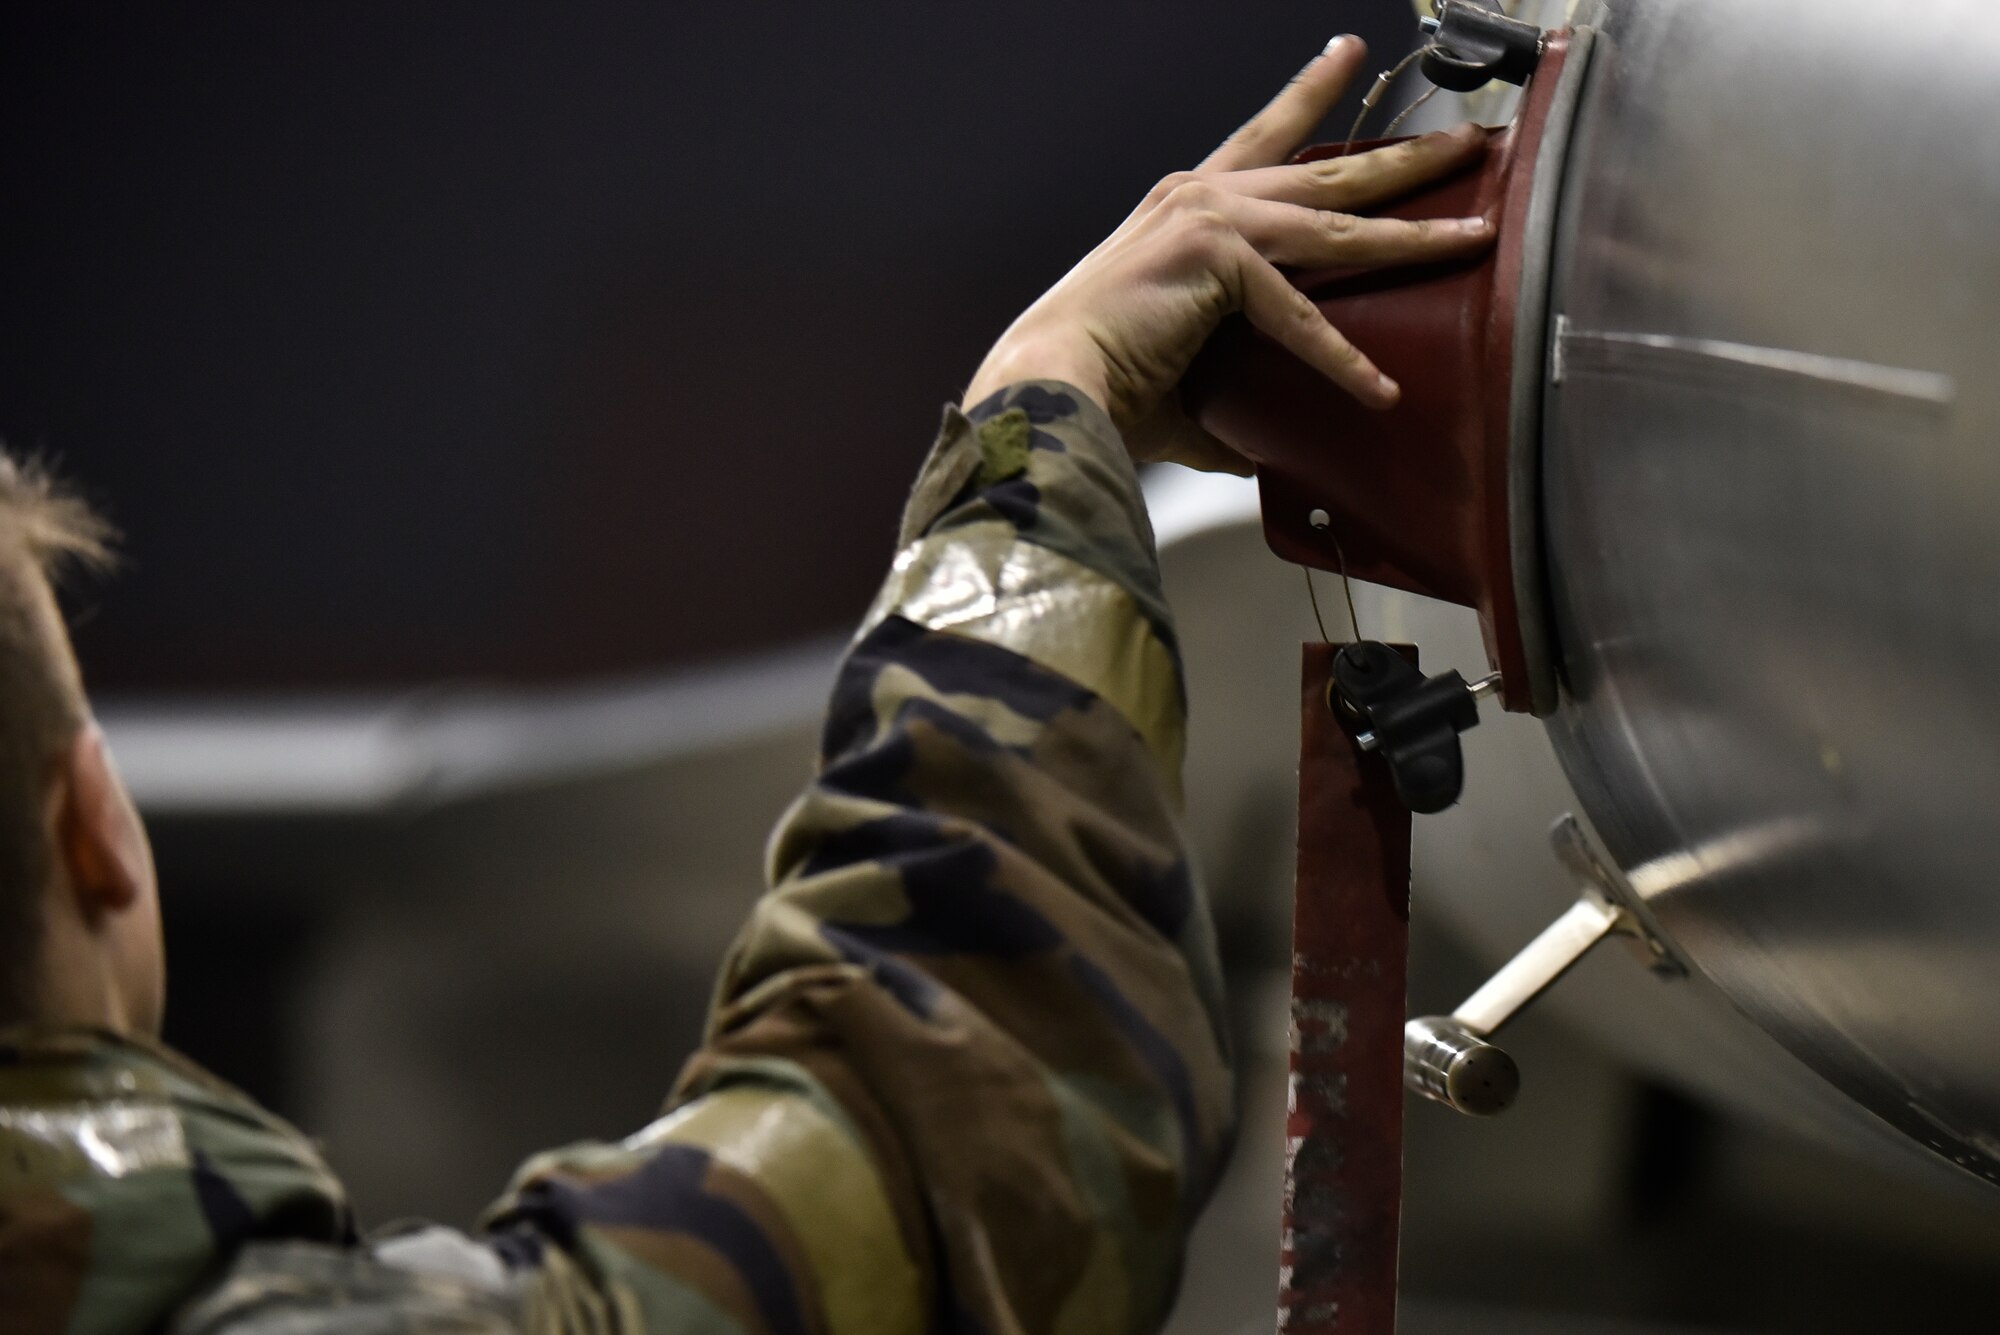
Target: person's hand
[{"x": 1124, "y": 324}]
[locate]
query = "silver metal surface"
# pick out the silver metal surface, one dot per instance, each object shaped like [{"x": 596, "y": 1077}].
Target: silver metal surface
[
  {"x": 1597, "y": 878},
  {"x": 1772, "y": 474},
  {"x": 1485, "y": 686},
  {"x": 1531, "y": 334}
]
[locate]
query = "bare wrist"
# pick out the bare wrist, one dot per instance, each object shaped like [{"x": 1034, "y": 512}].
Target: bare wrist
[{"x": 1012, "y": 362}]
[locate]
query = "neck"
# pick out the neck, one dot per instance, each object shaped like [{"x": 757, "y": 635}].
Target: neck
[{"x": 77, "y": 985}]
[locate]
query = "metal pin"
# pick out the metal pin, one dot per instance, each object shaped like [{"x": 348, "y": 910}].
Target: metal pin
[
  {"x": 1443, "y": 1060},
  {"x": 1450, "y": 1058}
]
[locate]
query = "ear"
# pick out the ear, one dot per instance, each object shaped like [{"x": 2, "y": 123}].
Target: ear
[{"x": 97, "y": 829}]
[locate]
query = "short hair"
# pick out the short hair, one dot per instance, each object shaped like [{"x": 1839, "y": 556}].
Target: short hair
[{"x": 44, "y": 529}]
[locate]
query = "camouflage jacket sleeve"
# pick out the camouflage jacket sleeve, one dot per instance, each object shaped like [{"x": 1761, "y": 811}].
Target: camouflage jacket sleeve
[{"x": 966, "y": 1068}]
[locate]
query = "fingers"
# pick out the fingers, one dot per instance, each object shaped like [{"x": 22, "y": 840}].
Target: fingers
[
  {"x": 1365, "y": 180},
  {"x": 1275, "y": 133},
  {"x": 1273, "y": 305},
  {"x": 1316, "y": 239},
  {"x": 1305, "y": 237}
]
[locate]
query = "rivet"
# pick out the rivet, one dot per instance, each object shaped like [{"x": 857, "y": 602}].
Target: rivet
[{"x": 1319, "y": 519}]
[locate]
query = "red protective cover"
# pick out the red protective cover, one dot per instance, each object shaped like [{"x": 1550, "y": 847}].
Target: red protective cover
[
  {"x": 1350, "y": 954},
  {"x": 1416, "y": 496}
]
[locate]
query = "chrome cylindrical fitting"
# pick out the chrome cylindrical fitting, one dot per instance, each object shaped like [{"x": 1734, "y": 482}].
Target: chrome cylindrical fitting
[{"x": 1445, "y": 1061}]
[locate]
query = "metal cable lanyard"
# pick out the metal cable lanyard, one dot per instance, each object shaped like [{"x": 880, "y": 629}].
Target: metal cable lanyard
[{"x": 1343, "y": 1187}]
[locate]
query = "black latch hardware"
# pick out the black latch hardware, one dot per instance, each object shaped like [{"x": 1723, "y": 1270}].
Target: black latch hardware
[
  {"x": 1474, "y": 43},
  {"x": 1411, "y": 720}
]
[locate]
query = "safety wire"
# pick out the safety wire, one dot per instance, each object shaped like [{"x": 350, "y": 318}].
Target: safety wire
[
  {"x": 1406, "y": 112},
  {"x": 1384, "y": 81},
  {"x": 1346, "y": 587}
]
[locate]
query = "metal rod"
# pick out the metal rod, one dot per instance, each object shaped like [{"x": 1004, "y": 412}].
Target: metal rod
[{"x": 1545, "y": 959}]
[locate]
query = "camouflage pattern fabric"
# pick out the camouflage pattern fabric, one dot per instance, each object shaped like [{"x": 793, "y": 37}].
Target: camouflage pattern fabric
[
  {"x": 128, "y": 1174},
  {"x": 966, "y": 1069}
]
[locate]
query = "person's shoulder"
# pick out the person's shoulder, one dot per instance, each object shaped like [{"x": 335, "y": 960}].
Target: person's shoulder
[
  {"x": 80, "y": 1104},
  {"x": 131, "y": 1176}
]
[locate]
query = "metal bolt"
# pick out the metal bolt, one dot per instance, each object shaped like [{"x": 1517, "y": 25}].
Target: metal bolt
[
  {"x": 1429, "y": 23},
  {"x": 1319, "y": 519}
]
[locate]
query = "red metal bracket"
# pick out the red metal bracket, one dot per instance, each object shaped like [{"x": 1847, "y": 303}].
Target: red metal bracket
[
  {"x": 1350, "y": 953},
  {"x": 1417, "y": 497}
]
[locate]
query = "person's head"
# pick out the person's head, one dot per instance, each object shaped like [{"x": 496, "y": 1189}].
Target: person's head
[{"x": 79, "y": 907}]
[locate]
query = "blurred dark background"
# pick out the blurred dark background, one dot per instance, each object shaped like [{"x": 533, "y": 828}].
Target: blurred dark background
[
  {"x": 444, "y": 359},
  {"x": 530, "y": 341}
]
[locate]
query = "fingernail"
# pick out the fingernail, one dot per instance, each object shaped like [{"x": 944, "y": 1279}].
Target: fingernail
[
  {"x": 1388, "y": 389},
  {"x": 1472, "y": 226},
  {"x": 1343, "y": 40}
]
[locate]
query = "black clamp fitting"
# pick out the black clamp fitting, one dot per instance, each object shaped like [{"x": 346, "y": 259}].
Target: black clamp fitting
[
  {"x": 1474, "y": 43},
  {"x": 1411, "y": 720}
]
